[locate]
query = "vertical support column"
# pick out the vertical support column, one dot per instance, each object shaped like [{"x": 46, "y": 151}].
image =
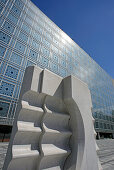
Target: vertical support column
[{"x": 98, "y": 135}]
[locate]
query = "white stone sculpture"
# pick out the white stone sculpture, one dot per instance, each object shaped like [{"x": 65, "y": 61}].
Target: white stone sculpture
[{"x": 53, "y": 127}]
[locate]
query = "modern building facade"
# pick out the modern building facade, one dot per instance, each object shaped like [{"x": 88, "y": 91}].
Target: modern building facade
[{"x": 29, "y": 37}]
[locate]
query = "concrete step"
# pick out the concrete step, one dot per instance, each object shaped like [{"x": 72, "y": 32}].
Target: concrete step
[
  {"x": 56, "y": 132},
  {"x": 51, "y": 150},
  {"x": 22, "y": 151},
  {"x": 27, "y": 126}
]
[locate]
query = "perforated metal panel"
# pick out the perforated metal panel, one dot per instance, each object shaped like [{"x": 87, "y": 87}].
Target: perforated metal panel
[
  {"x": 30, "y": 63},
  {"x": 1, "y": 8},
  {"x": 45, "y": 51},
  {"x": 16, "y": 58},
  {"x": 28, "y": 20},
  {"x": 16, "y": 11},
  {"x": 63, "y": 55},
  {"x": 8, "y": 27},
  {"x": 23, "y": 36},
  {"x": 4, "y": 107},
  {"x": 63, "y": 62},
  {"x": 11, "y": 72},
  {"x": 35, "y": 44},
  {"x": 45, "y": 42},
  {"x": 4, "y": 1},
  {"x": 31, "y": 13},
  {"x": 36, "y": 36},
  {"x": 44, "y": 61},
  {"x": 6, "y": 88},
  {"x": 2, "y": 51},
  {"x": 70, "y": 67},
  {"x": 19, "y": 3},
  {"x": 55, "y": 57},
  {"x": 56, "y": 42},
  {"x": 69, "y": 59},
  {"x": 37, "y": 27},
  {"x": 3, "y": 37},
  {"x": 49, "y": 36},
  {"x": 62, "y": 72},
  {"x": 55, "y": 49},
  {"x": 26, "y": 28},
  {"x": 33, "y": 55},
  {"x": 1, "y": 65},
  {"x": 12, "y": 18},
  {"x": 54, "y": 67},
  {"x": 20, "y": 46}
]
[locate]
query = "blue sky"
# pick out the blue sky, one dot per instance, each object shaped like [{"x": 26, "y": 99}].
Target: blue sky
[{"x": 90, "y": 23}]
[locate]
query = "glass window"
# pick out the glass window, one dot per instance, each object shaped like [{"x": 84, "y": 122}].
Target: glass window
[
  {"x": 63, "y": 55},
  {"x": 48, "y": 35},
  {"x": 8, "y": 27},
  {"x": 4, "y": 107},
  {"x": 36, "y": 36},
  {"x": 4, "y": 1},
  {"x": 23, "y": 37},
  {"x": 5, "y": 38},
  {"x": 45, "y": 51},
  {"x": 55, "y": 41},
  {"x": 55, "y": 57},
  {"x": 62, "y": 72},
  {"x": 96, "y": 124},
  {"x": 2, "y": 51},
  {"x": 54, "y": 67},
  {"x": 20, "y": 47},
  {"x": 1, "y": 8},
  {"x": 28, "y": 20},
  {"x": 105, "y": 127},
  {"x": 33, "y": 55},
  {"x": 16, "y": 58},
  {"x": 101, "y": 125},
  {"x": 70, "y": 67},
  {"x": 12, "y": 18},
  {"x": 63, "y": 62},
  {"x": 16, "y": 11},
  {"x": 19, "y": 3},
  {"x": 55, "y": 49},
  {"x": 30, "y": 63},
  {"x": 44, "y": 61},
  {"x": 46, "y": 43},
  {"x": 6, "y": 89},
  {"x": 38, "y": 28},
  {"x": 11, "y": 72},
  {"x": 108, "y": 126},
  {"x": 111, "y": 127},
  {"x": 35, "y": 44},
  {"x": 26, "y": 28}
]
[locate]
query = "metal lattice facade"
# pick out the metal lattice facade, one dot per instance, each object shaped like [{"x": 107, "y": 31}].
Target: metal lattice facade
[{"x": 29, "y": 37}]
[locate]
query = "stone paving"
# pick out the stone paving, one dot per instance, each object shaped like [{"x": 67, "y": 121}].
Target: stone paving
[
  {"x": 106, "y": 153},
  {"x": 3, "y": 150}
]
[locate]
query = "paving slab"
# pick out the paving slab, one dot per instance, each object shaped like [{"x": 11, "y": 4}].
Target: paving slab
[{"x": 106, "y": 153}]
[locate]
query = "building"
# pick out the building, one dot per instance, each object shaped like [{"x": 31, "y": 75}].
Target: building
[{"x": 29, "y": 37}]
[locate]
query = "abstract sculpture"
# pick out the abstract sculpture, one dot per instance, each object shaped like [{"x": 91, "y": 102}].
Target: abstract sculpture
[{"x": 53, "y": 127}]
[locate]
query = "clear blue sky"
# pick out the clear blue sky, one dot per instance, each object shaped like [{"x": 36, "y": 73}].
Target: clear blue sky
[{"x": 90, "y": 23}]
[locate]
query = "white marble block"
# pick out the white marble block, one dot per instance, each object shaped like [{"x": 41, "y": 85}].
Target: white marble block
[{"x": 53, "y": 127}]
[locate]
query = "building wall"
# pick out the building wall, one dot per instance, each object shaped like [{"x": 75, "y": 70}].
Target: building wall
[
  {"x": 113, "y": 82},
  {"x": 29, "y": 37}
]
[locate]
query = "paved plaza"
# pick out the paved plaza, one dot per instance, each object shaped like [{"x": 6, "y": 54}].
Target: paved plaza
[
  {"x": 106, "y": 153},
  {"x": 3, "y": 150}
]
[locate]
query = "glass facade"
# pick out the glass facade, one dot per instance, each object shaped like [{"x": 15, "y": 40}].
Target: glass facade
[{"x": 29, "y": 37}]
